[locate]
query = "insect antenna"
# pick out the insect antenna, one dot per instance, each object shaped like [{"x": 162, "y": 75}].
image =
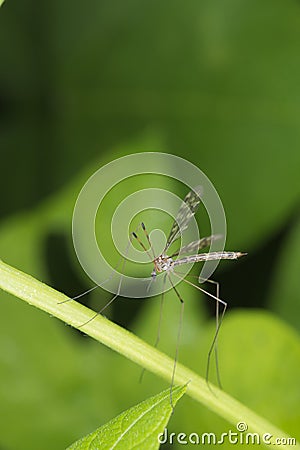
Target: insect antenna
[
  {"x": 148, "y": 239},
  {"x": 141, "y": 243}
]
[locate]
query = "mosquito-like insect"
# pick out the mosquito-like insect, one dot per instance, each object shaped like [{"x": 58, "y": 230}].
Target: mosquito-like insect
[{"x": 168, "y": 264}]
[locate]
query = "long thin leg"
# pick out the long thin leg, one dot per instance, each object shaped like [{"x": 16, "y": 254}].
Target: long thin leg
[
  {"x": 94, "y": 287},
  {"x": 217, "y": 285},
  {"x": 119, "y": 286},
  {"x": 214, "y": 345},
  {"x": 218, "y": 325},
  {"x": 111, "y": 300},
  {"x": 159, "y": 323},
  {"x": 133, "y": 234},
  {"x": 103, "y": 282},
  {"x": 160, "y": 312},
  {"x": 178, "y": 341}
]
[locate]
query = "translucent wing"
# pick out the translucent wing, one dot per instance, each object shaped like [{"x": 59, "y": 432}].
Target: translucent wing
[
  {"x": 213, "y": 256},
  {"x": 186, "y": 211},
  {"x": 195, "y": 246}
]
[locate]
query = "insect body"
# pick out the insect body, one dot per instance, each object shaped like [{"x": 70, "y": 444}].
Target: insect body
[
  {"x": 162, "y": 263},
  {"x": 168, "y": 264}
]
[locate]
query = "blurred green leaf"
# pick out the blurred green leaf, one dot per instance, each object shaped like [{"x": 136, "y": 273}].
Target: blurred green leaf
[
  {"x": 225, "y": 95},
  {"x": 284, "y": 297},
  {"x": 137, "y": 427},
  {"x": 259, "y": 360},
  {"x": 219, "y": 82}
]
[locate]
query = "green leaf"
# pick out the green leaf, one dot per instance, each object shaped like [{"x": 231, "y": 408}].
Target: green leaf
[
  {"x": 138, "y": 427},
  {"x": 259, "y": 353},
  {"x": 284, "y": 297}
]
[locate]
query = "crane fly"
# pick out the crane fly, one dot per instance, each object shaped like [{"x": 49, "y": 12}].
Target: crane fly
[{"x": 167, "y": 264}]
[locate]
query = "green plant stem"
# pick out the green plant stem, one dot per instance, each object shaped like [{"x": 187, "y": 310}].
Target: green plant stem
[{"x": 49, "y": 300}]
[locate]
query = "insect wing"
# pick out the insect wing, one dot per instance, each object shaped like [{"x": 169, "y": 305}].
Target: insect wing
[
  {"x": 195, "y": 246},
  {"x": 186, "y": 212}
]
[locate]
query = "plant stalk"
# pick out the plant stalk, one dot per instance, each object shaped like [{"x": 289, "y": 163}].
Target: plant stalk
[{"x": 127, "y": 344}]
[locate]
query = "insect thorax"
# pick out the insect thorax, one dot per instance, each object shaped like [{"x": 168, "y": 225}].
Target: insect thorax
[{"x": 163, "y": 263}]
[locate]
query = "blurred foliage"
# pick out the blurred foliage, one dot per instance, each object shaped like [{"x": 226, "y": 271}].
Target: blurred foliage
[{"x": 214, "y": 82}]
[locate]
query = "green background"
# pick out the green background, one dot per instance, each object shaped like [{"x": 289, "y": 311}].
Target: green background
[{"x": 83, "y": 83}]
